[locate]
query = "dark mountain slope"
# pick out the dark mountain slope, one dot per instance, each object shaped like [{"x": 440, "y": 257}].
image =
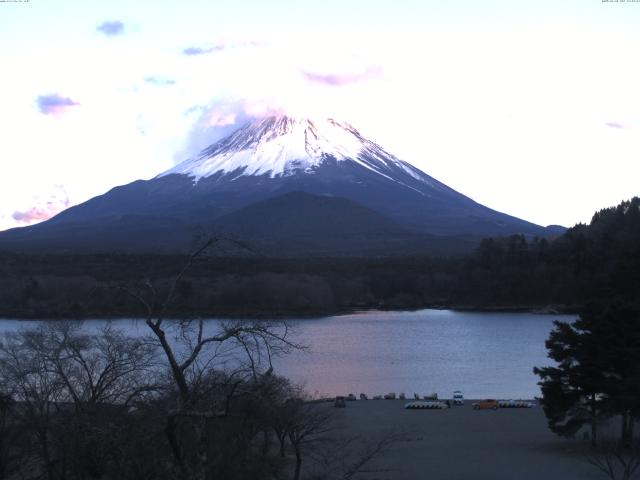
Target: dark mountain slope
[{"x": 300, "y": 223}]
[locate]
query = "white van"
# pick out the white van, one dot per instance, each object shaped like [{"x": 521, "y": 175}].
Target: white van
[{"x": 458, "y": 398}]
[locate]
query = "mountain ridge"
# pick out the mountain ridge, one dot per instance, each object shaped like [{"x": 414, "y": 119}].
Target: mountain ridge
[{"x": 264, "y": 159}]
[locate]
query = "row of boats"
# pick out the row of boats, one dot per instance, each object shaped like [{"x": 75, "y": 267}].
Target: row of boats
[
  {"x": 392, "y": 396},
  {"x": 431, "y": 402},
  {"x": 479, "y": 405}
]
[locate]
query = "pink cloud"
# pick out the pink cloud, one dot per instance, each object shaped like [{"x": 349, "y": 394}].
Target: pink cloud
[
  {"x": 220, "y": 117},
  {"x": 34, "y": 214},
  {"x": 51, "y": 207},
  {"x": 54, "y": 104},
  {"x": 338, "y": 79},
  {"x": 258, "y": 108}
]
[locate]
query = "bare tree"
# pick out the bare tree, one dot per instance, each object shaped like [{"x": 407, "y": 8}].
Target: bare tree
[
  {"x": 27, "y": 374},
  {"x": 71, "y": 388},
  {"x": 8, "y": 437},
  {"x": 344, "y": 457},
  {"x": 308, "y": 424},
  {"x": 311, "y": 430},
  {"x": 281, "y": 421},
  {"x": 615, "y": 459},
  {"x": 105, "y": 367},
  {"x": 243, "y": 349}
]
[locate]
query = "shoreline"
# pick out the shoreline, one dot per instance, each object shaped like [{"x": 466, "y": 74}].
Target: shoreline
[{"x": 533, "y": 309}]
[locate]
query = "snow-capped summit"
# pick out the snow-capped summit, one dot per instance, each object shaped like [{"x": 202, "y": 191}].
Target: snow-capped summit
[{"x": 282, "y": 146}]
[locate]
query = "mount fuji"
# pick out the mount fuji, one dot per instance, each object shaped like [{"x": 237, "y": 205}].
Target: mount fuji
[{"x": 290, "y": 186}]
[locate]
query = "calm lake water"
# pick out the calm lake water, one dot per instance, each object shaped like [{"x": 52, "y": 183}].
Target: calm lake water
[{"x": 482, "y": 354}]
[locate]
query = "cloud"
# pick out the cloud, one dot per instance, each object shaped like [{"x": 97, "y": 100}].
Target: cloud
[
  {"x": 159, "y": 81},
  {"x": 212, "y": 122},
  {"x": 280, "y": 92},
  {"x": 34, "y": 214},
  {"x": 221, "y": 117},
  {"x": 51, "y": 206},
  {"x": 111, "y": 28},
  {"x": 615, "y": 125},
  {"x": 221, "y": 46},
  {"x": 54, "y": 104},
  {"x": 191, "y": 51},
  {"x": 339, "y": 79},
  {"x": 300, "y": 79}
]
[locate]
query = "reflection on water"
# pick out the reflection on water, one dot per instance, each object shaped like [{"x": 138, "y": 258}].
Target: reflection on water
[{"x": 482, "y": 354}]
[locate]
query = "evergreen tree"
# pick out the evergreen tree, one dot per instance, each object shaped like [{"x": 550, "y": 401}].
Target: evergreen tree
[
  {"x": 572, "y": 395},
  {"x": 618, "y": 331},
  {"x": 598, "y": 371}
]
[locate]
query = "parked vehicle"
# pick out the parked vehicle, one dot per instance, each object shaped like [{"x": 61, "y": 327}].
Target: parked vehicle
[
  {"x": 458, "y": 398},
  {"x": 488, "y": 404},
  {"x": 390, "y": 396},
  {"x": 339, "y": 402},
  {"x": 363, "y": 396},
  {"x": 351, "y": 397}
]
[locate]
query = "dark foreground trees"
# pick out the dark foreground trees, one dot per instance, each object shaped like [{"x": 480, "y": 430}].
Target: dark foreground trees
[
  {"x": 8, "y": 437},
  {"x": 67, "y": 394},
  {"x": 77, "y": 403},
  {"x": 597, "y": 376},
  {"x": 615, "y": 461},
  {"x": 184, "y": 399}
]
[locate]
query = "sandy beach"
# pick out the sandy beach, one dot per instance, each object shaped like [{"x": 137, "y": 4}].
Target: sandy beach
[{"x": 462, "y": 443}]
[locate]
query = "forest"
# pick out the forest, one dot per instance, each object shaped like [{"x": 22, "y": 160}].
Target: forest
[{"x": 599, "y": 261}]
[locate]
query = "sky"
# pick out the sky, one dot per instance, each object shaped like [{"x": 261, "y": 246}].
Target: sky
[{"x": 528, "y": 107}]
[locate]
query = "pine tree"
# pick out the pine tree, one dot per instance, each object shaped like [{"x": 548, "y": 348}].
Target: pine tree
[
  {"x": 572, "y": 394},
  {"x": 598, "y": 371},
  {"x": 618, "y": 330}
]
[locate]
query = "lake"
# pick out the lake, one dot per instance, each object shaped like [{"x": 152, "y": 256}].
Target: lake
[{"x": 483, "y": 354}]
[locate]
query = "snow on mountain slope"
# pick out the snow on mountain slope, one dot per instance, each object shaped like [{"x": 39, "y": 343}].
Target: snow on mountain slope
[{"x": 283, "y": 146}]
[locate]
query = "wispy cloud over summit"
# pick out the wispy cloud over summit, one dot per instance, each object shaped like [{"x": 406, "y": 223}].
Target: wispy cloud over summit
[{"x": 338, "y": 79}]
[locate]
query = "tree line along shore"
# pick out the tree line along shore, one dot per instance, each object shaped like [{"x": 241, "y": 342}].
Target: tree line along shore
[{"x": 598, "y": 261}]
